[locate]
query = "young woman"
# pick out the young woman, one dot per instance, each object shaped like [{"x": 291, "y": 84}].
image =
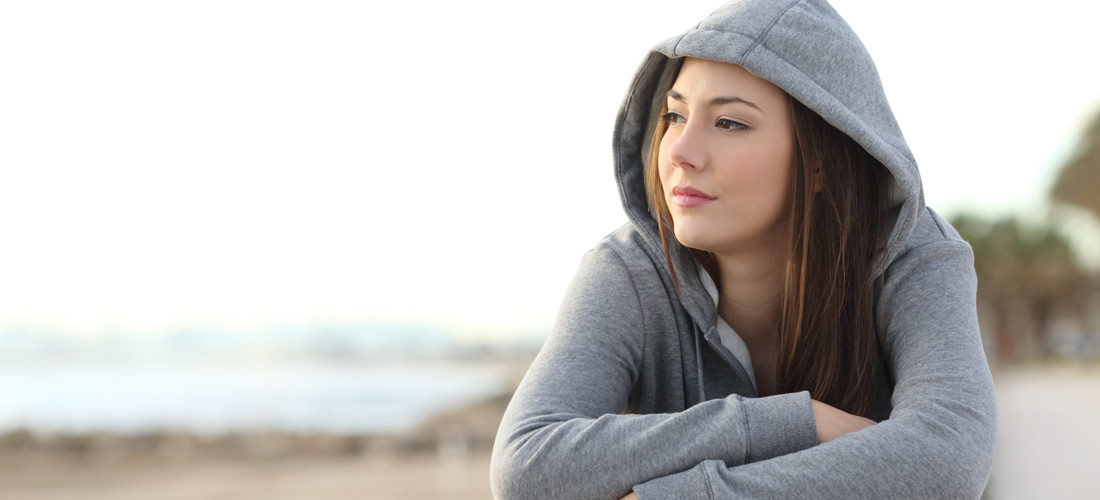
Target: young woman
[{"x": 780, "y": 288}]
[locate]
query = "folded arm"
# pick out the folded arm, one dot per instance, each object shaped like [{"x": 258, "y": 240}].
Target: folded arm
[
  {"x": 563, "y": 437},
  {"x": 940, "y": 437}
]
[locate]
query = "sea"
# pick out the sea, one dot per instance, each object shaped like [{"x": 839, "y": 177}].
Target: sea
[{"x": 222, "y": 397}]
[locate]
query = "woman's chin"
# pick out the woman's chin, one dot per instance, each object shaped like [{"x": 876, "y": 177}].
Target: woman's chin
[{"x": 698, "y": 240}]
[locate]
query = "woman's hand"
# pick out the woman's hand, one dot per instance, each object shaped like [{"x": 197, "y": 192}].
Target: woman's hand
[{"x": 833, "y": 422}]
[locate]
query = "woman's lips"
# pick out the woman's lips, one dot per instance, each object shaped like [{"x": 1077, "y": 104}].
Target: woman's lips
[{"x": 690, "y": 197}]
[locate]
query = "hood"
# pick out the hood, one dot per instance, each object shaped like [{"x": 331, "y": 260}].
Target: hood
[{"x": 804, "y": 48}]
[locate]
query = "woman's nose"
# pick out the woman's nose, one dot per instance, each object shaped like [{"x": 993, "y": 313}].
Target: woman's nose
[{"x": 688, "y": 149}]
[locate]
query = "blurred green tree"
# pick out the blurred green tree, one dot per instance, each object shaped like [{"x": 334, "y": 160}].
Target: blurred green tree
[{"x": 1028, "y": 279}]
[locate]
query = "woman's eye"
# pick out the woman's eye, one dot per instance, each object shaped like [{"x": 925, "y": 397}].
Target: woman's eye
[
  {"x": 727, "y": 124},
  {"x": 673, "y": 117}
]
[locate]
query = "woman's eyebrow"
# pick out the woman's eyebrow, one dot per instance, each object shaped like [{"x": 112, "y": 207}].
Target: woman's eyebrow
[{"x": 717, "y": 101}]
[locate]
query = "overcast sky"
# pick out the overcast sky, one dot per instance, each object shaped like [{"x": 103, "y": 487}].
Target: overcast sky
[{"x": 441, "y": 163}]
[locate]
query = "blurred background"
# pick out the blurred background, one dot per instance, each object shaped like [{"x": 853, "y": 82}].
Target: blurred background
[{"x": 286, "y": 248}]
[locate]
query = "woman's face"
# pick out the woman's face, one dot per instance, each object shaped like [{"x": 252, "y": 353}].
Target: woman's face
[{"x": 726, "y": 159}]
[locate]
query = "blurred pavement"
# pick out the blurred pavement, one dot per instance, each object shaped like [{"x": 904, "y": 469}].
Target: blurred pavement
[{"x": 1048, "y": 434}]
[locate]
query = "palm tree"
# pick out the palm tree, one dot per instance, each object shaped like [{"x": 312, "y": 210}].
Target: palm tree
[
  {"x": 1029, "y": 278},
  {"x": 1079, "y": 182}
]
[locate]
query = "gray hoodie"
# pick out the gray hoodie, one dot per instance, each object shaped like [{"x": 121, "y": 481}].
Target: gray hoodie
[{"x": 634, "y": 388}]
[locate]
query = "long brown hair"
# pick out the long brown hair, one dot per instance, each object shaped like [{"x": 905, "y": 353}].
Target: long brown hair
[{"x": 826, "y": 333}]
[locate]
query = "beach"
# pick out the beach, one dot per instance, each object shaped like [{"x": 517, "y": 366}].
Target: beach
[{"x": 445, "y": 457}]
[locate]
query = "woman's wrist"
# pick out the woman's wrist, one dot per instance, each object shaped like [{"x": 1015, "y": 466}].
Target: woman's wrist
[{"x": 832, "y": 422}]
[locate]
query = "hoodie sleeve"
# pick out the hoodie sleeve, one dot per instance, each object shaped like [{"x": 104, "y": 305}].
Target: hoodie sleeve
[
  {"x": 562, "y": 436},
  {"x": 939, "y": 440}
]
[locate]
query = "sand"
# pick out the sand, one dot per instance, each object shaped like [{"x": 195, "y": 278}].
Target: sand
[
  {"x": 446, "y": 457},
  {"x": 1048, "y": 440},
  {"x": 373, "y": 478}
]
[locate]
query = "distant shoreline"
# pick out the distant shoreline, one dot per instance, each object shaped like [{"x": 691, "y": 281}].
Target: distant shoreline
[
  {"x": 466, "y": 430},
  {"x": 214, "y": 400}
]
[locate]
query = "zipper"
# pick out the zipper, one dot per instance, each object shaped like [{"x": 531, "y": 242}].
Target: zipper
[{"x": 730, "y": 359}]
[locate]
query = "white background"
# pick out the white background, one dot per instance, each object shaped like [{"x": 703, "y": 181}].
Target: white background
[{"x": 438, "y": 163}]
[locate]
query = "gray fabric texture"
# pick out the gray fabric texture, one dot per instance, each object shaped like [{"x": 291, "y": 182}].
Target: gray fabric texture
[{"x": 631, "y": 390}]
